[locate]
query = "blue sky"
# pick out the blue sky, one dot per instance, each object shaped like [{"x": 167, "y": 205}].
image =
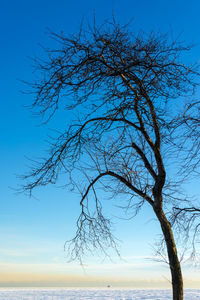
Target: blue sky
[{"x": 33, "y": 230}]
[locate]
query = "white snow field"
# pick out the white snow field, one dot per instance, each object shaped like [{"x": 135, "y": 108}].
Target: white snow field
[{"x": 92, "y": 294}]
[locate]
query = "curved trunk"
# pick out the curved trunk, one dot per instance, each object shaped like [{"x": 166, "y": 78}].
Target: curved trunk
[{"x": 175, "y": 267}]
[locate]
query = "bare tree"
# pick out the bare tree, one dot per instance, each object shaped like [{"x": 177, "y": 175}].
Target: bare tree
[{"x": 122, "y": 85}]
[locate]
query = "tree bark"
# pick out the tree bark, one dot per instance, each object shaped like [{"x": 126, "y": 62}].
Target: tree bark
[{"x": 174, "y": 263}]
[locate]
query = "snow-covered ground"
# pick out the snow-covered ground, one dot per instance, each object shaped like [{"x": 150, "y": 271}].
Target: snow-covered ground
[{"x": 92, "y": 294}]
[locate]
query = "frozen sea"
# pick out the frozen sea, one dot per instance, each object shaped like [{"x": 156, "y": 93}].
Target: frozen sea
[{"x": 93, "y": 294}]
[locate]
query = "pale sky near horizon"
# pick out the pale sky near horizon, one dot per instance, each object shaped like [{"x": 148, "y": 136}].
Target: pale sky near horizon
[{"x": 33, "y": 230}]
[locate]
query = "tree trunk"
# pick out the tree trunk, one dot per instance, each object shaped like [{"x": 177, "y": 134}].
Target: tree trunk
[{"x": 175, "y": 267}]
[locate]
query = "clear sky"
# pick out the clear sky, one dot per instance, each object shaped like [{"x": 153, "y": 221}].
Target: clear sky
[{"x": 33, "y": 230}]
